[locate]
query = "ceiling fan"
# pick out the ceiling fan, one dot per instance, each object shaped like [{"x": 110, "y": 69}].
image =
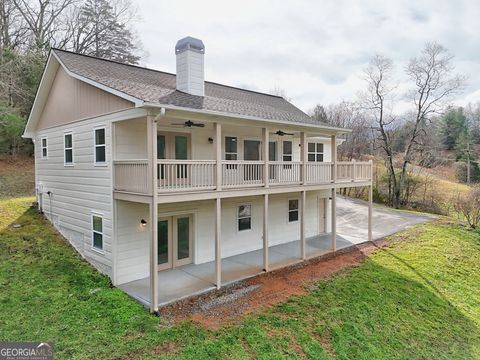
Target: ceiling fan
[
  {"x": 189, "y": 124},
  {"x": 283, "y": 133}
]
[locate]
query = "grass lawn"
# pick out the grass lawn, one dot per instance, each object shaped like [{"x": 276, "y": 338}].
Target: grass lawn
[{"x": 418, "y": 298}]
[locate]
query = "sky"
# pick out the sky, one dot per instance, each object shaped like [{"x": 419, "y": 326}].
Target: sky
[{"x": 314, "y": 50}]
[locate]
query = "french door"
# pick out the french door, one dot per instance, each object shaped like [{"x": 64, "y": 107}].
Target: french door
[
  {"x": 251, "y": 152},
  {"x": 175, "y": 240},
  {"x": 173, "y": 146}
]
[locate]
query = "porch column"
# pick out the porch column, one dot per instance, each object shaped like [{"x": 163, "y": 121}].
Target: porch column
[
  {"x": 333, "y": 151},
  {"x": 303, "y": 157},
  {"x": 266, "y": 157},
  {"x": 334, "y": 219},
  {"x": 302, "y": 224},
  {"x": 218, "y": 155},
  {"x": 265, "y": 232},
  {"x": 152, "y": 156},
  {"x": 218, "y": 232},
  {"x": 370, "y": 202}
]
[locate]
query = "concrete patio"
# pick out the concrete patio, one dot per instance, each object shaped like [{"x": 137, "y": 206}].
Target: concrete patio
[{"x": 192, "y": 279}]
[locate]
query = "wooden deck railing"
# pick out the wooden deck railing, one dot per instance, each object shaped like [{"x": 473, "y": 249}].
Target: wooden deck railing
[{"x": 195, "y": 175}]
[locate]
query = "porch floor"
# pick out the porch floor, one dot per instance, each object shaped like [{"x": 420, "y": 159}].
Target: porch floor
[{"x": 193, "y": 279}]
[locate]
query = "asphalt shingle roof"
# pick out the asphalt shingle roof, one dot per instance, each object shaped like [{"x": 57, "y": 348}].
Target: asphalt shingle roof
[{"x": 160, "y": 87}]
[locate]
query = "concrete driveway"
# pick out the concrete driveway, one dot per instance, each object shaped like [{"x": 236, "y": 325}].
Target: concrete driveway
[{"x": 352, "y": 220}]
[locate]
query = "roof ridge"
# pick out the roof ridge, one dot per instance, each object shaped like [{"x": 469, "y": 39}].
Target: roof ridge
[{"x": 168, "y": 73}]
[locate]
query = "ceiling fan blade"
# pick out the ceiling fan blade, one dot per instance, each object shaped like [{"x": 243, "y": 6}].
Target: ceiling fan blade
[{"x": 198, "y": 125}]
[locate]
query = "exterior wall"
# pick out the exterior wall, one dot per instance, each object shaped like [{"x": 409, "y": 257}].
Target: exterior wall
[
  {"x": 133, "y": 241},
  {"x": 77, "y": 190},
  {"x": 201, "y": 149},
  {"x": 131, "y": 139},
  {"x": 71, "y": 99}
]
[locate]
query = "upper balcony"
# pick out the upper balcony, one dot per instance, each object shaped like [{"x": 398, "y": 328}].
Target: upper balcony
[
  {"x": 132, "y": 176},
  {"x": 221, "y": 157}
]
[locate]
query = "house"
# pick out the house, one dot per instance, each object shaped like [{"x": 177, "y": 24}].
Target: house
[{"x": 172, "y": 185}]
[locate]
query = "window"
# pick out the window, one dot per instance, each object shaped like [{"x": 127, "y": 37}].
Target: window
[
  {"x": 43, "y": 146},
  {"x": 100, "y": 147},
  {"x": 315, "y": 152},
  {"x": 68, "y": 149},
  {"x": 287, "y": 153},
  {"x": 293, "y": 210},
  {"x": 97, "y": 232},
  {"x": 230, "y": 148},
  {"x": 244, "y": 217}
]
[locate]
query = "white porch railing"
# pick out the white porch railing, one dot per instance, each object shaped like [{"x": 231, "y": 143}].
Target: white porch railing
[
  {"x": 285, "y": 172},
  {"x": 195, "y": 175},
  {"x": 238, "y": 174},
  {"x": 353, "y": 171},
  {"x": 131, "y": 176},
  {"x": 319, "y": 173},
  {"x": 177, "y": 175}
]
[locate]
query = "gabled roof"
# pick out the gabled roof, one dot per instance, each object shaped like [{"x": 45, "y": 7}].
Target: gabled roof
[{"x": 160, "y": 88}]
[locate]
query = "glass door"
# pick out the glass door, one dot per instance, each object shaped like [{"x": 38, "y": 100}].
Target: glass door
[
  {"x": 175, "y": 239},
  {"x": 164, "y": 243},
  {"x": 182, "y": 240},
  {"x": 251, "y": 152},
  {"x": 272, "y": 156}
]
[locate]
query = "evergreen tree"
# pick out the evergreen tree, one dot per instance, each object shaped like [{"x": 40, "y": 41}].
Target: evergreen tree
[{"x": 453, "y": 128}]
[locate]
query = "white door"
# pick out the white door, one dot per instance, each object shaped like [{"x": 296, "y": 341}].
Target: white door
[
  {"x": 322, "y": 215},
  {"x": 175, "y": 240}
]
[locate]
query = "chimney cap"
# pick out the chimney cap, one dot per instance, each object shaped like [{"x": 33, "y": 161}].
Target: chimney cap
[{"x": 189, "y": 43}]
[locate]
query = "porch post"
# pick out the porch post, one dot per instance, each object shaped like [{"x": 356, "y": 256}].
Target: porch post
[
  {"x": 218, "y": 230},
  {"x": 302, "y": 224},
  {"x": 333, "y": 147},
  {"x": 370, "y": 202},
  {"x": 334, "y": 219},
  {"x": 303, "y": 157},
  {"x": 218, "y": 155},
  {"x": 152, "y": 156},
  {"x": 265, "y": 232},
  {"x": 266, "y": 156}
]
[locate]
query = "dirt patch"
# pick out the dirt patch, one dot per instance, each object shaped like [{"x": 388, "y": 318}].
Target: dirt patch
[{"x": 231, "y": 303}]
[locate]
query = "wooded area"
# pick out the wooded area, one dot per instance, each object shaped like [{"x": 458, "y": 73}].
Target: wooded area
[{"x": 30, "y": 28}]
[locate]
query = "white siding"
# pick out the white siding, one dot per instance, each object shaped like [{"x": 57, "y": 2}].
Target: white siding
[
  {"x": 77, "y": 190},
  {"x": 133, "y": 241}
]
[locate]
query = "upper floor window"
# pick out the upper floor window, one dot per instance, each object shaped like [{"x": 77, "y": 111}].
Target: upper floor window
[
  {"x": 230, "y": 148},
  {"x": 97, "y": 231},
  {"x": 315, "y": 152},
  {"x": 44, "y": 147},
  {"x": 100, "y": 147},
  {"x": 68, "y": 148},
  {"x": 244, "y": 217}
]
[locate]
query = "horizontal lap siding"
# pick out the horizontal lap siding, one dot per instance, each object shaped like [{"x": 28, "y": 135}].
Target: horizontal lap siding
[{"x": 77, "y": 190}]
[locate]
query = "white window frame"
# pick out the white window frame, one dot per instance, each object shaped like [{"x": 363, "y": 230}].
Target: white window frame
[
  {"x": 65, "y": 149},
  {"x": 95, "y": 145},
  {"x": 316, "y": 152},
  {"x": 225, "y": 147},
  {"x": 44, "y": 147},
  {"x": 244, "y": 217},
  {"x": 289, "y": 211},
  {"x": 93, "y": 231},
  {"x": 283, "y": 151}
]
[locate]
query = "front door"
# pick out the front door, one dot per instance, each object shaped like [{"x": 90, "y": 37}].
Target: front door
[
  {"x": 174, "y": 241},
  {"x": 173, "y": 146}
]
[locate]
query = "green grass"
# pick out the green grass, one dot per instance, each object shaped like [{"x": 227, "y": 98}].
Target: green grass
[
  {"x": 417, "y": 299},
  {"x": 17, "y": 177}
]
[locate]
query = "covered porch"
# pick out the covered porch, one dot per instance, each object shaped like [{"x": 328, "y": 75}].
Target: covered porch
[{"x": 193, "y": 279}]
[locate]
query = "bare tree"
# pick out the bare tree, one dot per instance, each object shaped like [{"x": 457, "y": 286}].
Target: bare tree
[
  {"x": 12, "y": 27},
  {"x": 377, "y": 101},
  {"x": 434, "y": 85},
  {"x": 44, "y": 19}
]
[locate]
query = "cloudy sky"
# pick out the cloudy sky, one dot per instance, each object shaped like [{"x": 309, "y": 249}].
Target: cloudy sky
[{"x": 314, "y": 50}]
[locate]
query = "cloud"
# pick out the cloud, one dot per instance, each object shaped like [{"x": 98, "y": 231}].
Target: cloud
[{"x": 315, "y": 51}]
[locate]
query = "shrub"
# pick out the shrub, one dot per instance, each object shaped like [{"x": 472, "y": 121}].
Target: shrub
[{"x": 468, "y": 205}]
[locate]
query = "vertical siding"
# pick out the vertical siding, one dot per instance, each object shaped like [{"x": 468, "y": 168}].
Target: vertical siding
[
  {"x": 71, "y": 99},
  {"x": 77, "y": 190}
]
